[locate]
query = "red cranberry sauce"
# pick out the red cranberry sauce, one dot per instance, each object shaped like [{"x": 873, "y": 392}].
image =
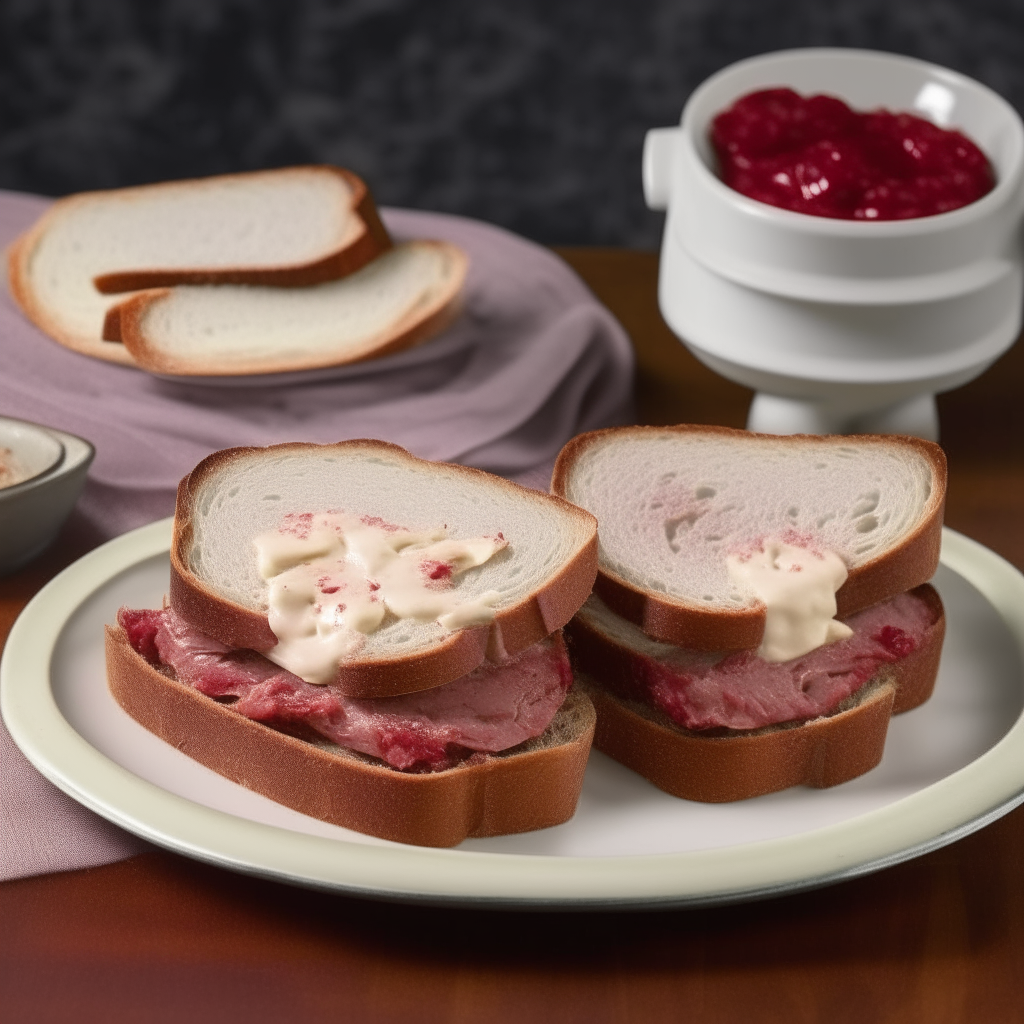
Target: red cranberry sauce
[
  {"x": 493, "y": 708},
  {"x": 742, "y": 691},
  {"x": 813, "y": 154}
]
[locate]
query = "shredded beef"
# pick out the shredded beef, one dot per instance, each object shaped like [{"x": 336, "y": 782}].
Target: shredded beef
[
  {"x": 742, "y": 691},
  {"x": 493, "y": 708}
]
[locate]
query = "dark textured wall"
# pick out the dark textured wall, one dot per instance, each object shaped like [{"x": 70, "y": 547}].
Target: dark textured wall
[{"x": 530, "y": 114}]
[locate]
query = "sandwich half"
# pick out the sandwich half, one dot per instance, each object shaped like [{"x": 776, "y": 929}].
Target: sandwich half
[
  {"x": 760, "y": 609},
  {"x": 370, "y": 638}
]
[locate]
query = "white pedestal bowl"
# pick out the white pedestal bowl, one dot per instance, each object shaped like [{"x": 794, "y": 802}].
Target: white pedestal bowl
[{"x": 840, "y": 326}]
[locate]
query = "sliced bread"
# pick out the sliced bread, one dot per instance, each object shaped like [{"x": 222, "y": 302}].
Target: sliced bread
[
  {"x": 674, "y": 502},
  {"x": 292, "y": 227},
  {"x": 540, "y": 578},
  {"x": 401, "y": 298}
]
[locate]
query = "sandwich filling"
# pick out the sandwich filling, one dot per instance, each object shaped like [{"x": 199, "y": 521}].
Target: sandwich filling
[
  {"x": 491, "y": 709},
  {"x": 702, "y": 691},
  {"x": 334, "y": 577}
]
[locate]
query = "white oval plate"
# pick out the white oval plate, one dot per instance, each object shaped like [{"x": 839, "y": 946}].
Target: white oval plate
[{"x": 950, "y": 768}]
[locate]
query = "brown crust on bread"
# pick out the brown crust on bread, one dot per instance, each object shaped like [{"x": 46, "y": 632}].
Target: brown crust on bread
[
  {"x": 911, "y": 563},
  {"x": 735, "y": 765},
  {"x": 365, "y": 244},
  {"x": 125, "y": 322},
  {"x": 506, "y": 793},
  {"x": 513, "y": 629},
  {"x": 112, "y": 324}
]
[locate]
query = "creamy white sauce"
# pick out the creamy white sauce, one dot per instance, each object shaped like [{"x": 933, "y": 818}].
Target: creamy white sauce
[
  {"x": 334, "y": 577},
  {"x": 798, "y": 587}
]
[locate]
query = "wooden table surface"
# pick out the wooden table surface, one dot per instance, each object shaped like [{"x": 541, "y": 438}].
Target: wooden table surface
[{"x": 939, "y": 939}]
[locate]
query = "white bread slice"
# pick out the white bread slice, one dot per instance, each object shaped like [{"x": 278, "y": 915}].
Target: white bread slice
[
  {"x": 543, "y": 576},
  {"x": 402, "y": 297},
  {"x": 291, "y": 227},
  {"x": 673, "y": 502},
  {"x": 534, "y": 785}
]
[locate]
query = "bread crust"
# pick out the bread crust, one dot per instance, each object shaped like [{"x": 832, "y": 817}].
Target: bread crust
[
  {"x": 738, "y": 764},
  {"x": 512, "y": 630},
  {"x": 125, "y": 322},
  {"x": 504, "y": 794},
  {"x": 661, "y": 617},
  {"x": 355, "y": 249}
]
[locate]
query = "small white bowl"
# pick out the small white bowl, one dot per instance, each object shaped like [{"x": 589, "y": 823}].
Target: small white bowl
[
  {"x": 52, "y": 466},
  {"x": 840, "y": 325}
]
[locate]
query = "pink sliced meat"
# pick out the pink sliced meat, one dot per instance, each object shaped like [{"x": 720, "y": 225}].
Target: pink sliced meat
[
  {"x": 742, "y": 691},
  {"x": 493, "y": 708}
]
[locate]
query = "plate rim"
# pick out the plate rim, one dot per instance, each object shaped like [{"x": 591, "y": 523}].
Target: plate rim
[{"x": 947, "y": 810}]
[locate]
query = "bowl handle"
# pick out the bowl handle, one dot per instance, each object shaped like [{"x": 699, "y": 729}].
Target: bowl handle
[{"x": 659, "y": 147}]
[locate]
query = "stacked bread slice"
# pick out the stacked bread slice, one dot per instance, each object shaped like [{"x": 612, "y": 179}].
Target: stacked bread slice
[
  {"x": 673, "y": 644},
  {"x": 263, "y": 272},
  {"x": 425, "y": 732}
]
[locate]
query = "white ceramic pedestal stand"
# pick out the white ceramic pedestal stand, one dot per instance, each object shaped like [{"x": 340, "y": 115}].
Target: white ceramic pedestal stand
[{"x": 840, "y": 326}]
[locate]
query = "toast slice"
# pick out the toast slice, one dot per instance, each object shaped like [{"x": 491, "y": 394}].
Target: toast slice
[
  {"x": 538, "y": 580},
  {"x": 293, "y": 227},
  {"x": 675, "y": 502},
  {"x": 403, "y": 297},
  {"x": 615, "y": 665},
  {"x": 534, "y": 785}
]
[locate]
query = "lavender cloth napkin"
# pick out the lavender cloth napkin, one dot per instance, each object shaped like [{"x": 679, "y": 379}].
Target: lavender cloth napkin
[{"x": 532, "y": 360}]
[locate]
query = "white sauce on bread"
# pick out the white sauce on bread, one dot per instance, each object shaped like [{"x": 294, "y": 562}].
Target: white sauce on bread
[
  {"x": 798, "y": 587},
  {"x": 334, "y": 576}
]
